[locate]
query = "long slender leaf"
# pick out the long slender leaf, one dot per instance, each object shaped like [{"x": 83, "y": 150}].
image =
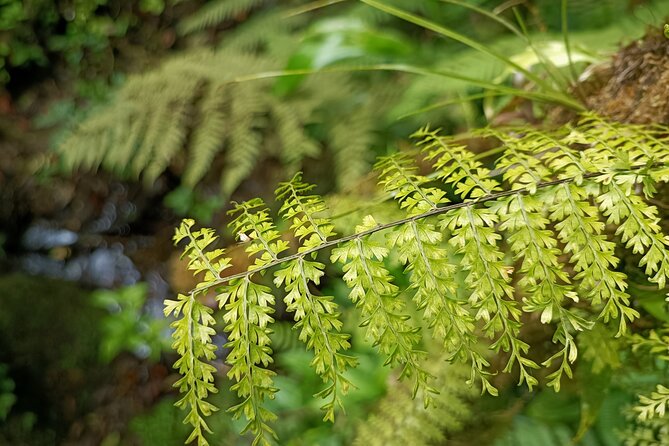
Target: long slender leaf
[
  {"x": 550, "y": 96},
  {"x": 484, "y": 49}
]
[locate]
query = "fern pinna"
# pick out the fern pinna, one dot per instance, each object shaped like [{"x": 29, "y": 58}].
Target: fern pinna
[{"x": 547, "y": 202}]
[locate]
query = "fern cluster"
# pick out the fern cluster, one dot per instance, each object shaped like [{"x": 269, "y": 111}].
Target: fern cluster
[
  {"x": 221, "y": 110},
  {"x": 547, "y": 203}
]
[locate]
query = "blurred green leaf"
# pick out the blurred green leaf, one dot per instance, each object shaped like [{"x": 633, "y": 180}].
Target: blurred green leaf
[
  {"x": 127, "y": 327},
  {"x": 340, "y": 39}
]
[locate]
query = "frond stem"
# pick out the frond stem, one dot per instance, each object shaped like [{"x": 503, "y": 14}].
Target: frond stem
[{"x": 435, "y": 211}]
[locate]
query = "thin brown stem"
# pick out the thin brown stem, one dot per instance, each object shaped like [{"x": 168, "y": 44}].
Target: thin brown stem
[{"x": 381, "y": 227}]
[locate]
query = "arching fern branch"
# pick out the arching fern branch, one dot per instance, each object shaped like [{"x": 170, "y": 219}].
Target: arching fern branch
[
  {"x": 544, "y": 280},
  {"x": 548, "y": 195}
]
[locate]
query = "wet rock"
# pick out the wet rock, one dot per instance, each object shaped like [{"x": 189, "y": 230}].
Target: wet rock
[
  {"x": 101, "y": 268},
  {"x": 39, "y": 237}
]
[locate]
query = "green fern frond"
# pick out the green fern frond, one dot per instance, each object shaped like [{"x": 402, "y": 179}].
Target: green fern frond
[
  {"x": 217, "y": 12},
  {"x": 524, "y": 219},
  {"x": 375, "y": 295},
  {"x": 193, "y": 331},
  {"x": 600, "y": 348},
  {"x": 432, "y": 275},
  {"x": 544, "y": 279},
  {"x": 209, "y": 136},
  {"x": 653, "y": 405},
  {"x": 637, "y": 223},
  {"x": 350, "y": 139},
  {"x": 650, "y": 432},
  {"x": 473, "y": 235},
  {"x": 248, "y": 307},
  {"x": 316, "y": 316},
  {"x": 401, "y": 419},
  {"x": 196, "y": 105},
  {"x": 553, "y": 224},
  {"x": 245, "y": 138},
  {"x": 290, "y": 122},
  {"x": 456, "y": 166},
  {"x": 648, "y": 417},
  {"x": 302, "y": 211},
  {"x": 657, "y": 343},
  {"x": 254, "y": 224},
  {"x": 160, "y": 111}
]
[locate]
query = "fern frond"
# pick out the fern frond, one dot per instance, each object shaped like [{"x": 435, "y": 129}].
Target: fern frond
[
  {"x": 556, "y": 154},
  {"x": 193, "y": 331},
  {"x": 637, "y": 223},
  {"x": 400, "y": 419},
  {"x": 635, "y": 143},
  {"x": 654, "y": 405},
  {"x": 199, "y": 104},
  {"x": 657, "y": 343},
  {"x": 254, "y": 224},
  {"x": 473, "y": 235},
  {"x": 592, "y": 255},
  {"x": 456, "y": 166},
  {"x": 521, "y": 166},
  {"x": 432, "y": 275},
  {"x": 650, "y": 432},
  {"x": 600, "y": 348},
  {"x": 173, "y": 136},
  {"x": 544, "y": 278},
  {"x": 350, "y": 139},
  {"x": 248, "y": 307},
  {"x": 209, "y": 137},
  {"x": 544, "y": 214},
  {"x": 523, "y": 218},
  {"x": 398, "y": 176},
  {"x": 302, "y": 210},
  {"x": 316, "y": 316},
  {"x": 291, "y": 120},
  {"x": 375, "y": 295},
  {"x": 217, "y": 12},
  {"x": 245, "y": 137}
]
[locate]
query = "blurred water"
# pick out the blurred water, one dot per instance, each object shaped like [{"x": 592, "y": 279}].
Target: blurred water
[
  {"x": 39, "y": 237},
  {"x": 102, "y": 268}
]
